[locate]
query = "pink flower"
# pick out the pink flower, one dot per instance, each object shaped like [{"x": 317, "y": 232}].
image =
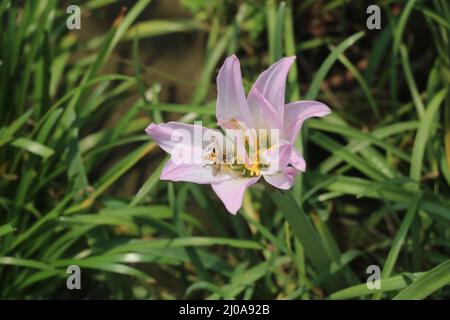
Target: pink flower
[{"x": 233, "y": 164}]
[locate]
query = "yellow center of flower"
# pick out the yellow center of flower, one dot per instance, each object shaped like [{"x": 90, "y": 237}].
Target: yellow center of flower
[
  {"x": 231, "y": 163},
  {"x": 254, "y": 169}
]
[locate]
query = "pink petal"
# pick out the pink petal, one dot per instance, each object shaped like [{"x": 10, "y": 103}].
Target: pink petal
[
  {"x": 237, "y": 138},
  {"x": 231, "y": 102},
  {"x": 297, "y": 112},
  {"x": 277, "y": 159},
  {"x": 231, "y": 192},
  {"x": 185, "y": 142},
  {"x": 191, "y": 173},
  {"x": 283, "y": 180},
  {"x": 297, "y": 160},
  {"x": 264, "y": 115},
  {"x": 165, "y": 136},
  {"x": 272, "y": 83}
]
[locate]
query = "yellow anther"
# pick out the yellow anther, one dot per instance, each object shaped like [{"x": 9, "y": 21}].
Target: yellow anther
[{"x": 254, "y": 169}]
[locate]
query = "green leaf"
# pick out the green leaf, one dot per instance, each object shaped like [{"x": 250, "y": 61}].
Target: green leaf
[
  {"x": 400, "y": 237},
  {"x": 244, "y": 279},
  {"x": 205, "y": 285},
  {"x": 398, "y": 32},
  {"x": 148, "y": 186},
  {"x": 328, "y": 63},
  {"x": 139, "y": 245},
  {"x": 362, "y": 82},
  {"x": 355, "y": 161},
  {"x": 411, "y": 82},
  {"x": 112, "y": 175},
  {"x": 100, "y": 263},
  {"x": 33, "y": 147},
  {"x": 304, "y": 231},
  {"x": 423, "y": 135},
  {"x": 6, "y": 134},
  {"x": 12, "y": 261},
  {"x": 183, "y": 108},
  {"x": 6, "y": 228},
  {"x": 334, "y": 267},
  {"x": 153, "y": 28},
  {"x": 355, "y": 186},
  {"x": 430, "y": 282},
  {"x": 358, "y": 135},
  {"x": 388, "y": 284},
  {"x": 278, "y": 32}
]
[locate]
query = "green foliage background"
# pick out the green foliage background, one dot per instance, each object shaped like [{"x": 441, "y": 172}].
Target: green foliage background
[{"x": 376, "y": 191}]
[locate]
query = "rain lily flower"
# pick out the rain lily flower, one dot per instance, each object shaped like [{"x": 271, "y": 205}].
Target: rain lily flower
[{"x": 259, "y": 140}]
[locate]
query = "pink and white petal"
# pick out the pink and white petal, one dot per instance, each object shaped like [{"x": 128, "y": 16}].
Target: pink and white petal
[
  {"x": 231, "y": 192},
  {"x": 272, "y": 82},
  {"x": 190, "y": 173},
  {"x": 283, "y": 180},
  {"x": 231, "y": 101},
  {"x": 162, "y": 134},
  {"x": 264, "y": 115},
  {"x": 296, "y": 113},
  {"x": 185, "y": 142},
  {"x": 168, "y": 135},
  {"x": 235, "y": 143},
  {"x": 297, "y": 160},
  {"x": 276, "y": 159}
]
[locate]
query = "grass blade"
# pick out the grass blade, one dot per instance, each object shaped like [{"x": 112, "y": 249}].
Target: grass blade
[{"x": 430, "y": 282}]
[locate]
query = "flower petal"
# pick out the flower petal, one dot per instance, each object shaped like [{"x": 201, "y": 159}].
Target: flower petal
[
  {"x": 272, "y": 82},
  {"x": 283, "y": 180},
  {"x": 231, "y": 192},
  {"x": 191, "y": 173},
  {"x": 231, "y": 102},
  {"x": 185, "y": 142},
  {"x": 297, "y": 112},
  {"x": 297, "y": 160},
  {"x": 276, "y": 160},
  {"x": 264, "y": 115}
]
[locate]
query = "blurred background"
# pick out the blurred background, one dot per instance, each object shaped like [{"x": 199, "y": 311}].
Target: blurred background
[{"x": 79, "y": 179}]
